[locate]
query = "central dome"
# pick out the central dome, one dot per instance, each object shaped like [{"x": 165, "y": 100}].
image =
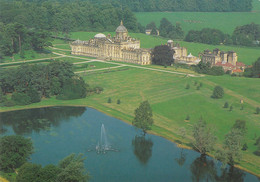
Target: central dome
[
  {"x": 121, "y": 28},
  {"x": 99, "y": 36}
]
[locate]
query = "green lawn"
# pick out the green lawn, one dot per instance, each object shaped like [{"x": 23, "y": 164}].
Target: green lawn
[
  {"x": 28, "y": 55},
  {"x": 224, "y": 21}
]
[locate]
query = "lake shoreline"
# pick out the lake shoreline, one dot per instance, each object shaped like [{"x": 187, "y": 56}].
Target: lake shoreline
[{"x": 179, "y": 144}]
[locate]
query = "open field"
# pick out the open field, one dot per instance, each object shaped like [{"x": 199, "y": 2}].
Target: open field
[
  {"x": 247, "y": 55},
  {"x": 224, "y": 21},
  {"x": 28, "y": 55},
  {"x": 171, "y": 102}
]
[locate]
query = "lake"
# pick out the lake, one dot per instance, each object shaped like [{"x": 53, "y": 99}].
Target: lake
[{"x": 57, "y": 132}]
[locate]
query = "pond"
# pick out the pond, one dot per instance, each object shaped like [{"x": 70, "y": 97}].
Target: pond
[{"x": 57, "y": 132}]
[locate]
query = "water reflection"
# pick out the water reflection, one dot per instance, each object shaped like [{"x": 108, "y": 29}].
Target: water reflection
[
  {"x": 142, "y": 148},
  {"x": 231, "y": 174},
  {"x": 181, "y": 160},
  {"x": 27, "y": 121},
  {"x": 203, "y": 169}
]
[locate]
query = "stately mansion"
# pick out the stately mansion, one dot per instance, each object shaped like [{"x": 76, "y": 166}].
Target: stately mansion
[
  {"x": 122, "y": 47},
  {"x": 227, "y": 60},
  {"x": 181, "y": 54}
]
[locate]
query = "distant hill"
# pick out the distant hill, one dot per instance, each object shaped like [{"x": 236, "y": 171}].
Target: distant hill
[{"x": 182, "y": 5}]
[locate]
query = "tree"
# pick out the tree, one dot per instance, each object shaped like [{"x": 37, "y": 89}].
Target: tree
[
  {"x": 226, "y": 105},
  {"x": 118, "y": 101},
  {"x": 29, "y": 172},
  {"x": 240, "y": 125},
  {"x": 203, "y": 136},
  {"x": 162, "y": 55},
  {"x": 151, "y": 26},
  {"x": 232, "y": 145},
  {"x": 72, "y": 169},
  {"x": 231, "y": 108},
  {"x": 49, "y": 173},
  {"x": 73, "y": 88},
  {"x": 182, "y": 132},
  {"x": 14, "y": 152},
  {"x": 257, "y": 110},
  {"x": 143, "y": 117},
  {"x": 254, "y": 71},
  {"x": 109, "y": 100},
  {"x": 21, "y": 98},
  {"x": 218, "y": 92},
  {"x": 245, "y": 147}
]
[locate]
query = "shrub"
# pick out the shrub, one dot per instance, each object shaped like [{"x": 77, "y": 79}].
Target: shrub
[
  {"x": 21, "y": 98},
  {"x": 230, "y": 108},
  {"x": 198, "y": 87},
  {"x": 9, "y": 103},
  {"x": 218, "y": 92},
  {"x": 245, "y": 147},
  {"x": 226, "y": 105},
  {"x": 118, "y": 101},
  {"x": 109, "y": 100},
  {"x": 98, "y": 89},
  {"x": 188, "y": 86},
  {"x": 187, "y": 117}
]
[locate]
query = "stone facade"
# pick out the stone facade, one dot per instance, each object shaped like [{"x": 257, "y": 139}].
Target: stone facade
[
  {"x": 227, "y": 60},
  {"x": 180, "y": 55},
  {"x": 217, "y": 56},
  {"x": 119, "y": 48}
]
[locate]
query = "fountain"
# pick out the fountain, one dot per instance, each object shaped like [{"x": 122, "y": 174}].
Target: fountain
[{"x": 103, "y": 145}]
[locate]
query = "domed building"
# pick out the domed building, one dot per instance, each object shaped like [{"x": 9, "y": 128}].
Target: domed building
[{"x": 122, "y": 47}]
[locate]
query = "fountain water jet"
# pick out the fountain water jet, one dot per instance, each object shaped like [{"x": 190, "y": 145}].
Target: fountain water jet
[{"x": 103, "y": 145}]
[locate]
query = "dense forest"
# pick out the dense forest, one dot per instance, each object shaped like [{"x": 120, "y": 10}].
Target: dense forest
[
  {"x": 176, "y": 5},
  {"x": 29, "y": 83},
  {"x": 67, "y": 16}
]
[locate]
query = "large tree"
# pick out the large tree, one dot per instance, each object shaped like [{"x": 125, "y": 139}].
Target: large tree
[
  {"x": 218, "y": 92},
  {"x": 232, "y": 147},
  {"x": 72, "y": 169},
  {"x": 14, "y": 152},
  {"x": 162, "y": 55},
  {"x": 204, "y": 138},
  {"x": 143, "y": 117}
]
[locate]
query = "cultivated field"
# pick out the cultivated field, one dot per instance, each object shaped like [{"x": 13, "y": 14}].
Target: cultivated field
[{"x": 224, "y": 21}]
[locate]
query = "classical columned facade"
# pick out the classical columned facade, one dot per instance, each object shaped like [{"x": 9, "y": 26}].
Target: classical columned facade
[{"x": 119, "y": 48}]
